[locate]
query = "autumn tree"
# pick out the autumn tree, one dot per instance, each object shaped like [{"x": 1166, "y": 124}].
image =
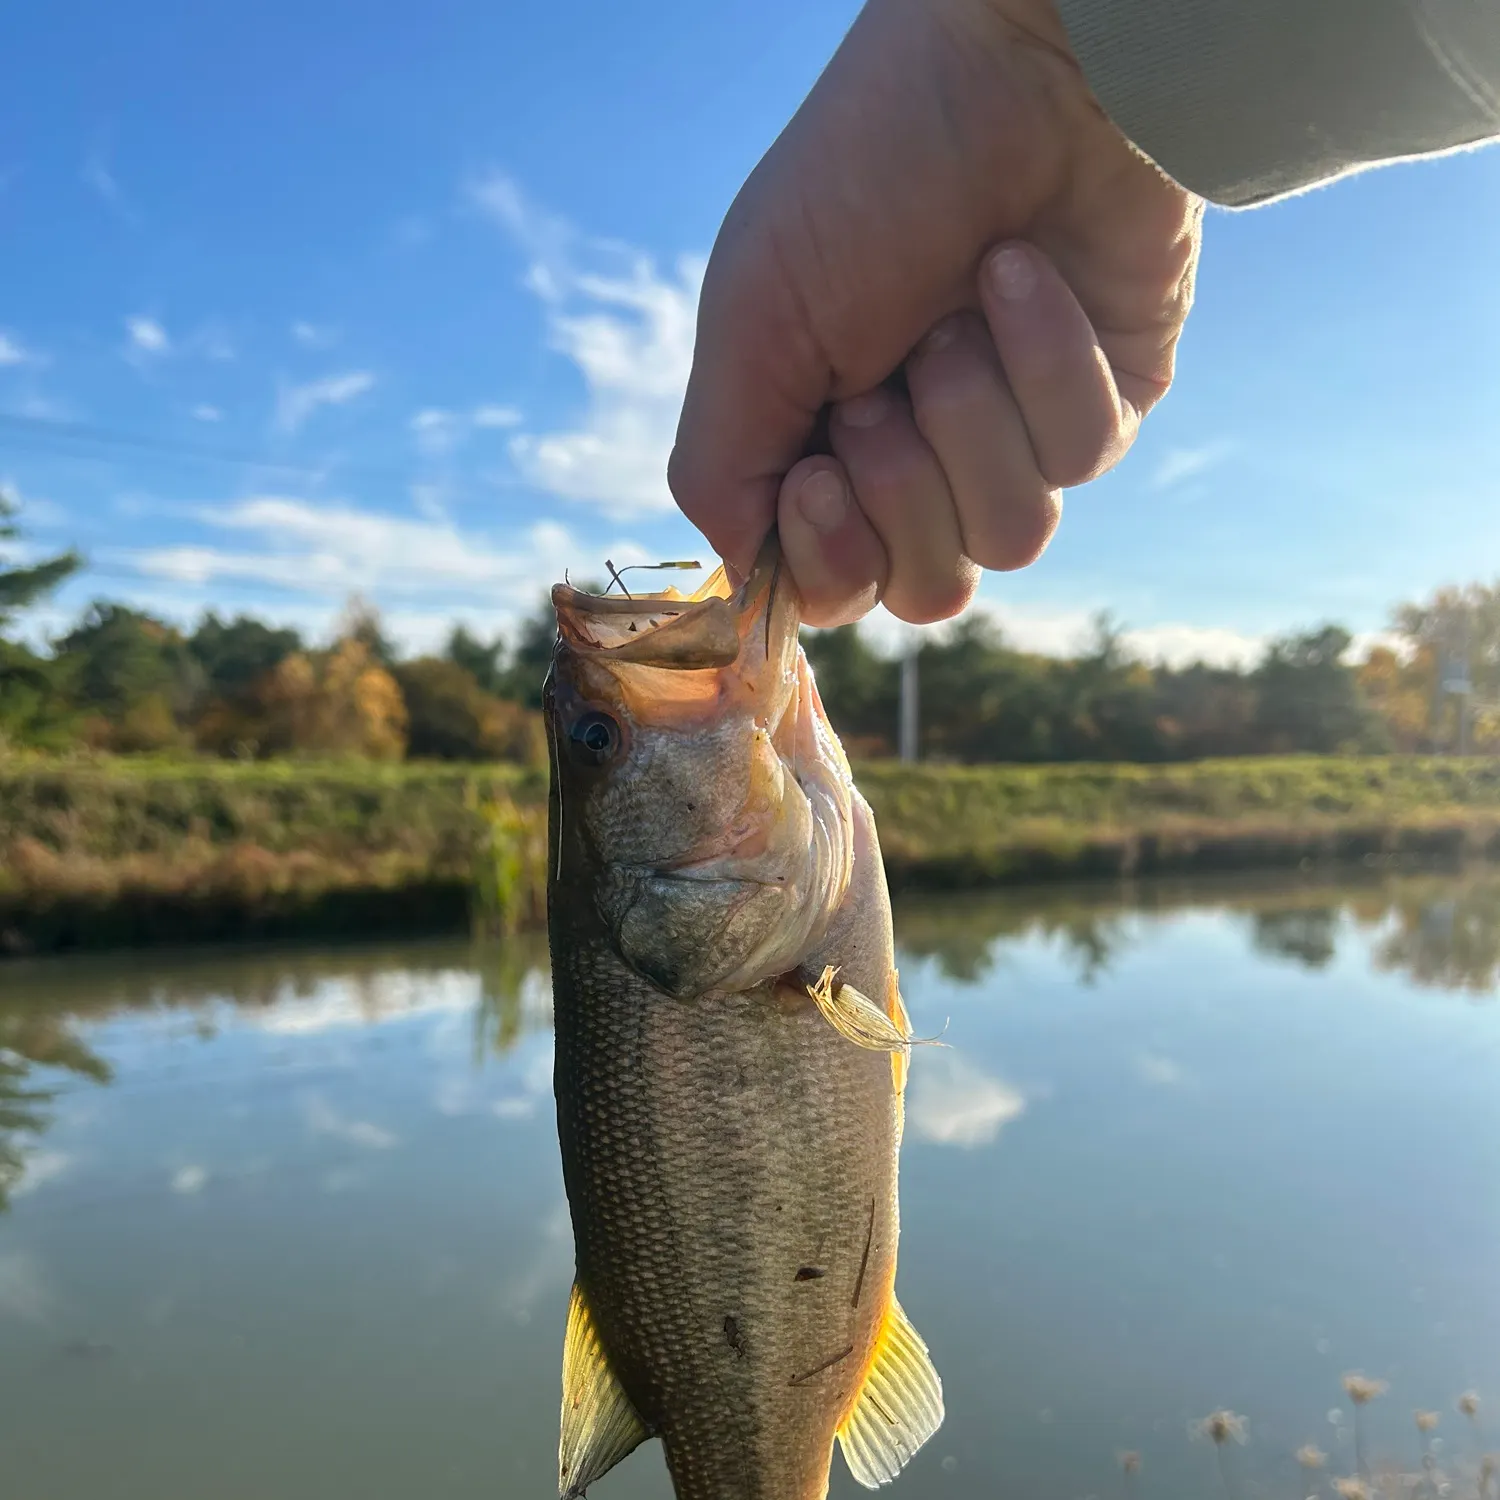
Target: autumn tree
[
  {"x": 452, "y": 718},
  {"x": 335, "y": 702}
]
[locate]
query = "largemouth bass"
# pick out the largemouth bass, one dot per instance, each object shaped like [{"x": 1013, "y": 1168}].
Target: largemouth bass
[{"x": 731, "y": 1057}]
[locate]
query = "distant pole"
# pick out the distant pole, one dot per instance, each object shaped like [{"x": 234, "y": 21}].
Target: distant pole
[
  {"x": 1465, "y": 689},
  {"x": 909, "y": 700}
]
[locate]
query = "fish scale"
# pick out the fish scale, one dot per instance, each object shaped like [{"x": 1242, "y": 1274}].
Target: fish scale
[
  {"x": 728, "y": 1102},
  {"x": 695, "y": 1202}
]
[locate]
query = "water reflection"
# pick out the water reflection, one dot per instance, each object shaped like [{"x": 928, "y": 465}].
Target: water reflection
[
  {"x": 1307, "y": 935},
  {"x": 964, "y": 934},
  {"x": 515, "y": 996},
  {"x": 34, "y": 1040},
  {"x": 1447, "y": 937},
  {"x": 317, "y": 1197},
  {"x": 1441, "y": 932}
]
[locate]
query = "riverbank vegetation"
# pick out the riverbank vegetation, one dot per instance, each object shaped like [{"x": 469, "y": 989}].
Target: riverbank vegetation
[
  {"x": 121, "y": 850},
  {"x": 232, "y": 778}
]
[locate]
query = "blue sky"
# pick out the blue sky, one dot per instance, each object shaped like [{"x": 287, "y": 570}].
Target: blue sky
[{"x": 433, "y": 269}]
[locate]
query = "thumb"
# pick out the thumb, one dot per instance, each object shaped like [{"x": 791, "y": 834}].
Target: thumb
[{"x": 759, "y": 381}]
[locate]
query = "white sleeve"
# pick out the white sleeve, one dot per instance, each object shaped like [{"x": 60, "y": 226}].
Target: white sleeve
[{"x": 1245, "y": 100}]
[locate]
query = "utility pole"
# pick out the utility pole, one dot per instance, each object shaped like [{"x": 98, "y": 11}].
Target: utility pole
[
  {"x": 1455, "y": 683},
  {"x": 1465, "y": 686},
  {"x": 910, "y": 719}
]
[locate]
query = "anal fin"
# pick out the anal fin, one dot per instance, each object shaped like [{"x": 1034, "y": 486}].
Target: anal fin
[
  {"x": 900, "y": 1405},
  {"x": 599, "y": 1425}
]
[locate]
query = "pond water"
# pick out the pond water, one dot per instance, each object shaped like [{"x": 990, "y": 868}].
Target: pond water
[{"x": 290, "y": 1223}]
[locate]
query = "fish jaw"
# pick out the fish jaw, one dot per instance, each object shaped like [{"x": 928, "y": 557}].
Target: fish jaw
[{"x": 717, "y": 841}]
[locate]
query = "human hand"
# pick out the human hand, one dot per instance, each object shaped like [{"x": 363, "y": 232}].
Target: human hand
[{"x": 950, "y": 205}]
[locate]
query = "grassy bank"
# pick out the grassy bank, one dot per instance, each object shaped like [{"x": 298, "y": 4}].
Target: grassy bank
[{"x": 111, "y": 852}]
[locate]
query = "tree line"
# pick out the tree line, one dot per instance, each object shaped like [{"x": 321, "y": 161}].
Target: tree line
[{"x": 124, "y": 681}]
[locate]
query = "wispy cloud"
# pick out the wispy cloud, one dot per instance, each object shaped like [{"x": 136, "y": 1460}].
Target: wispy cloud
[
  {"x": 43, "y": 409},
  {"x": 206, "y": 413},
  {"x": 954, "y": 1103},
  {"x": 300, "y": 561},
  {"x": 1177, "y": 645},
  {"x": 329, "y": 551},
  {"x": 496, "y": 416},
  {"x": 147, "y": 336},
  {"x": 35, "y": 511},
  {"x": 210, "y": 340},
  {"x": 100, "y": 179},
  {"x": 296, "y": 403},
  {"x": 439, "y": 432},
  {"x": 1178, "y": 465},
  {"x": 147, "y": 341},
  {"x": 1065, "y": 632},
  {"x": 12, "y": 351},
  {"x": 314, "y": 335},
  {"x": 629, "y": 331}
]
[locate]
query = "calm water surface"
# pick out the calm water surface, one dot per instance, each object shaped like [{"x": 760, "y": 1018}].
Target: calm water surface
[{"x": 290, "y": 1224}]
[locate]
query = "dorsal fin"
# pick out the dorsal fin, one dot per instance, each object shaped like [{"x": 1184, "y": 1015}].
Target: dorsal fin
[
  {"x": 599, "y": 1425},
  {"x": 900, "y": 1405}
]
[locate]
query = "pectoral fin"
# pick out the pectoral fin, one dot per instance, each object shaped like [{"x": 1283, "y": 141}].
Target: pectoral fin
[
  {"x": 900, "y": 1405},
  {"x": 599, "y": 1425},
  {"x": 859, "y": 1019}
]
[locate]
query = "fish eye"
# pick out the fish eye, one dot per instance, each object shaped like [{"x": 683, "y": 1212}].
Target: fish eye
[{"x": 595, "y": 737}]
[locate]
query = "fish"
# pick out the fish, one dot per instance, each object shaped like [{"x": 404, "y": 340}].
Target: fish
[{"x": 731, "y": 1056}]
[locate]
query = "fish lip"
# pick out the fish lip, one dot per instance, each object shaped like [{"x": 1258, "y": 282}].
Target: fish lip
[
  {"x": 697, "y": 631},
  {"x": 690, "y": 875}
]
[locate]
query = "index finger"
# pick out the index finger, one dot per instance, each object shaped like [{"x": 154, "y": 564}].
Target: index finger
[{"x": 753, "y": 399}]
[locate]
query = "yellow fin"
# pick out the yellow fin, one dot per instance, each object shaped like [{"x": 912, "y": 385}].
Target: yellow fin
[
  {"x": 899, "y": 1407},
  {"x": 599, "y": 1425},
  {"x": 900, "y": 1061},
  {"x": 863, "y": 1022}
]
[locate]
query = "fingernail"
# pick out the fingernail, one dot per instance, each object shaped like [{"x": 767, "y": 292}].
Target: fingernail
[
  {"x": 866, "y": 410},
  {"x": 1011, "y": 272},
  {"x": 823, "y": 500}
]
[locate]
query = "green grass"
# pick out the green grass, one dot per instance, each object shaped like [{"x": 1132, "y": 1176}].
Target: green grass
[
  {"x": 101, "y": 851},
  {"x": 976, "y": 825}
]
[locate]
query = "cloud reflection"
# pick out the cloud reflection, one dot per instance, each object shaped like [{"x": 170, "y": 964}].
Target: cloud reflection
[
  {"x": 38, "y": 1168},
  {"x": 1154, "y": 1068},
  {"x": 25, "y": 1291},
  {"x": 189, "y": 1180},
  {"x": 324, "y": 1119},
  {"x": 954, "y": 1103},
  {"x": 366, "y": 999}
]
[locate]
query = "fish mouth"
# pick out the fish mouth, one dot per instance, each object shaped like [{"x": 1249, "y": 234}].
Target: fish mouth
[
  {"x": 686, "y": 632},
  {"x": 700, "y": 873}
]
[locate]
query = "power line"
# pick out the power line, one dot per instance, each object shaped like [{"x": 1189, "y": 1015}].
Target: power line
[{"x": 75, "y": 439}]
